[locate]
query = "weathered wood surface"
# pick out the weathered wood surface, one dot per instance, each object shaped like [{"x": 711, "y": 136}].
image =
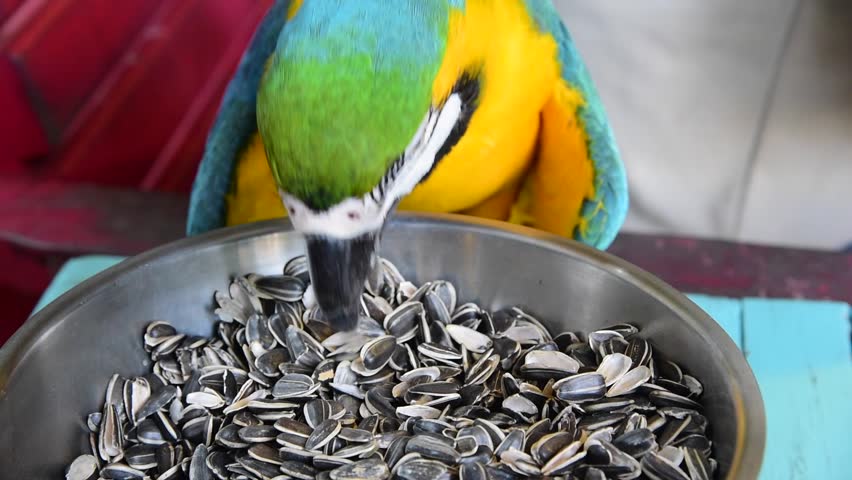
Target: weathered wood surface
[
  {"x": 800, "y": 353},
  {"x": 63, "y": 218}
]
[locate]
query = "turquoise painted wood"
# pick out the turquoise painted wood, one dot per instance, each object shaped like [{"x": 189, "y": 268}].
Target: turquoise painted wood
[
  {"x": 73, "y": 272},
  {"x": 799, "y": 351},
  {"x": 800, "y": 354},
  {"x": 726, "y": 311}
]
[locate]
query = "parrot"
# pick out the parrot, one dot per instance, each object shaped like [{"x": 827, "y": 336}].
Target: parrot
[{"x": 342, "y": 112}]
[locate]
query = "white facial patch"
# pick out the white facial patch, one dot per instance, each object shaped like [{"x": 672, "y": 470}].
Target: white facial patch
[{"x": 356, "y": 216}]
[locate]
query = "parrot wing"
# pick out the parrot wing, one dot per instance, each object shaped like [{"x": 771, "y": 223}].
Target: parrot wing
[
  {"x": 578, "y": 158},
  {"x": 234, "y": 128}
]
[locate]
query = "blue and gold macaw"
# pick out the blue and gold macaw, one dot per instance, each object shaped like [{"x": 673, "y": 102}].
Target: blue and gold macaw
[{"x": 348, "y": 109}]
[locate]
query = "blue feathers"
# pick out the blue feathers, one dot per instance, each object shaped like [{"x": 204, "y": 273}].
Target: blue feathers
[
  {"x": 234, "y": 126},
  {"x": 607, "y": 211},
  {"x": 365, "y": 27}
]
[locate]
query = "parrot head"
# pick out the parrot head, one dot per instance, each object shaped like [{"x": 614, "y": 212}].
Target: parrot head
[{"x": 346, "y": 112}]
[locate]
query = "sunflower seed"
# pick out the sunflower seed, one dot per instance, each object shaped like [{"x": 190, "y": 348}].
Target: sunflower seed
[
  {"x": 430, "y": 446},
  {"x": 109, "y": 439},
  {"x": 520, "y": 462},
  {"x": 229, "y": 437},
  {"x": 662, "y": 398},
  {"x": 322, "y": 434},
  {"x": 630, "y": 381},
  {"x": 355, "y": 435},
  {"x": 613, "y": 367},
  {"x": 329, "y": 462},
  {"x": 694, "y": 386},
  {"x": 120, "y": 471},
  {"x": 84, "y": 467},
  {"x": 521, "y": 407},
  {"x": 198, "y": 466},
  {"x": 264, "y": 453},
  {"x": 544, "y": 364},
  {"x": 565, "y": 460},
  {"x": 258, "y": 433},
  {"x": 377, "y": 353},
  {"x": 697, "y": 464},
  {"x": 298, "y": 470},
  {"x": 672, "y": 430},
  {"x": 370, "y": 469},
  {"x": 283, "y": 288},
  {"x": 581, "y": 387},
  {"x": 298, "y": 267},
  {"x": 422, "y": 469},
  {"x": 637, "y": 442},
  {"x": 207, "y": 399},
  {"x": 639, "y": 351},
  {"x": 293, "y": 385},
  {"x": 469, "y": 338},
  {"x": 435, "y": 389},
  {"x": 418, "y": 411},
  {"x": 141, "y": 457},
  {"x": 657, "y": 467}
]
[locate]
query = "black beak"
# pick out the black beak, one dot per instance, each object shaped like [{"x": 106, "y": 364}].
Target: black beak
[{"x": 339, "y": 268}]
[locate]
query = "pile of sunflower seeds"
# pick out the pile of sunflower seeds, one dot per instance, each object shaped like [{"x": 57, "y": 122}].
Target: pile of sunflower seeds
[{"x": 424, "y": 389}]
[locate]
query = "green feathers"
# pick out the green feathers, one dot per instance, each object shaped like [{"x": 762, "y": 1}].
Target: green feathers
[{"x": 345, "y": 91}]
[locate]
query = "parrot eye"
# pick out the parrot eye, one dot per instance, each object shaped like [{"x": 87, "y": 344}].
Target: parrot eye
[{"x": 353, "y": 215}]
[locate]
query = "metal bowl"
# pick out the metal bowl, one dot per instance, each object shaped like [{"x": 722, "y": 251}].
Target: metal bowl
[{"x": 54, "y": 370}]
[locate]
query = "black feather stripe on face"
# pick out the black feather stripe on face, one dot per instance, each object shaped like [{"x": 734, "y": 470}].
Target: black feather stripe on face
[
  {"x": 467, "y": 87},
  {"x": 378, "y": 193}
]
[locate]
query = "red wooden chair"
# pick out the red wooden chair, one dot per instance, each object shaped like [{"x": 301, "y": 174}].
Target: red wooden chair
[{"x": 106, "y": 110}]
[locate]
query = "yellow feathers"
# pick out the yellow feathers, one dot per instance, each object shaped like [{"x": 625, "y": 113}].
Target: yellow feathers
[
  {"x": 254, "y": 196},
  {"x": 518, "y": 70},
  {"x": 524, "y": 157},
  {"x": 294, "y": 7},
  {"x": 563, "y": 175}
]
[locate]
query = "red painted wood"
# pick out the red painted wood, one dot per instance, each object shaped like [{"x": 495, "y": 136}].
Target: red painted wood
[
  {"x": 21, "y": 135},
  {"x": 737, "y": 270},
  {"x": 65, "y": 47},
  {"x": 88, "y": 135},
  {"x": 24, "y": 18},
  {"x": 24, "y": 277},
  {"x": 68, "y": 219},
  {"x": 8, "y": 8},
  {"x": 24, "y": 269},
  {"x": 174, "y": 168},
  {"x": 178, "y": 161},
  {"x": 17, "y": 307},
  {"x": 71, "y": 219},
  {"x": 137, "y": 109},
  {"x": 116, "y": 98}
]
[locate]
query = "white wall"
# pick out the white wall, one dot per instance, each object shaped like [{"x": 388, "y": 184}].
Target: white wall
[{"x": 734, "y": 117}]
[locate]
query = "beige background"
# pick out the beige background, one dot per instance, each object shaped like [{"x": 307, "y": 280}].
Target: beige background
[{"x": 734, "y": 117}]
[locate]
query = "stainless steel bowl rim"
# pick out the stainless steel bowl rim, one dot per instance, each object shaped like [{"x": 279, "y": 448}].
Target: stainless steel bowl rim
[{"x": 749, "y": 447}]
